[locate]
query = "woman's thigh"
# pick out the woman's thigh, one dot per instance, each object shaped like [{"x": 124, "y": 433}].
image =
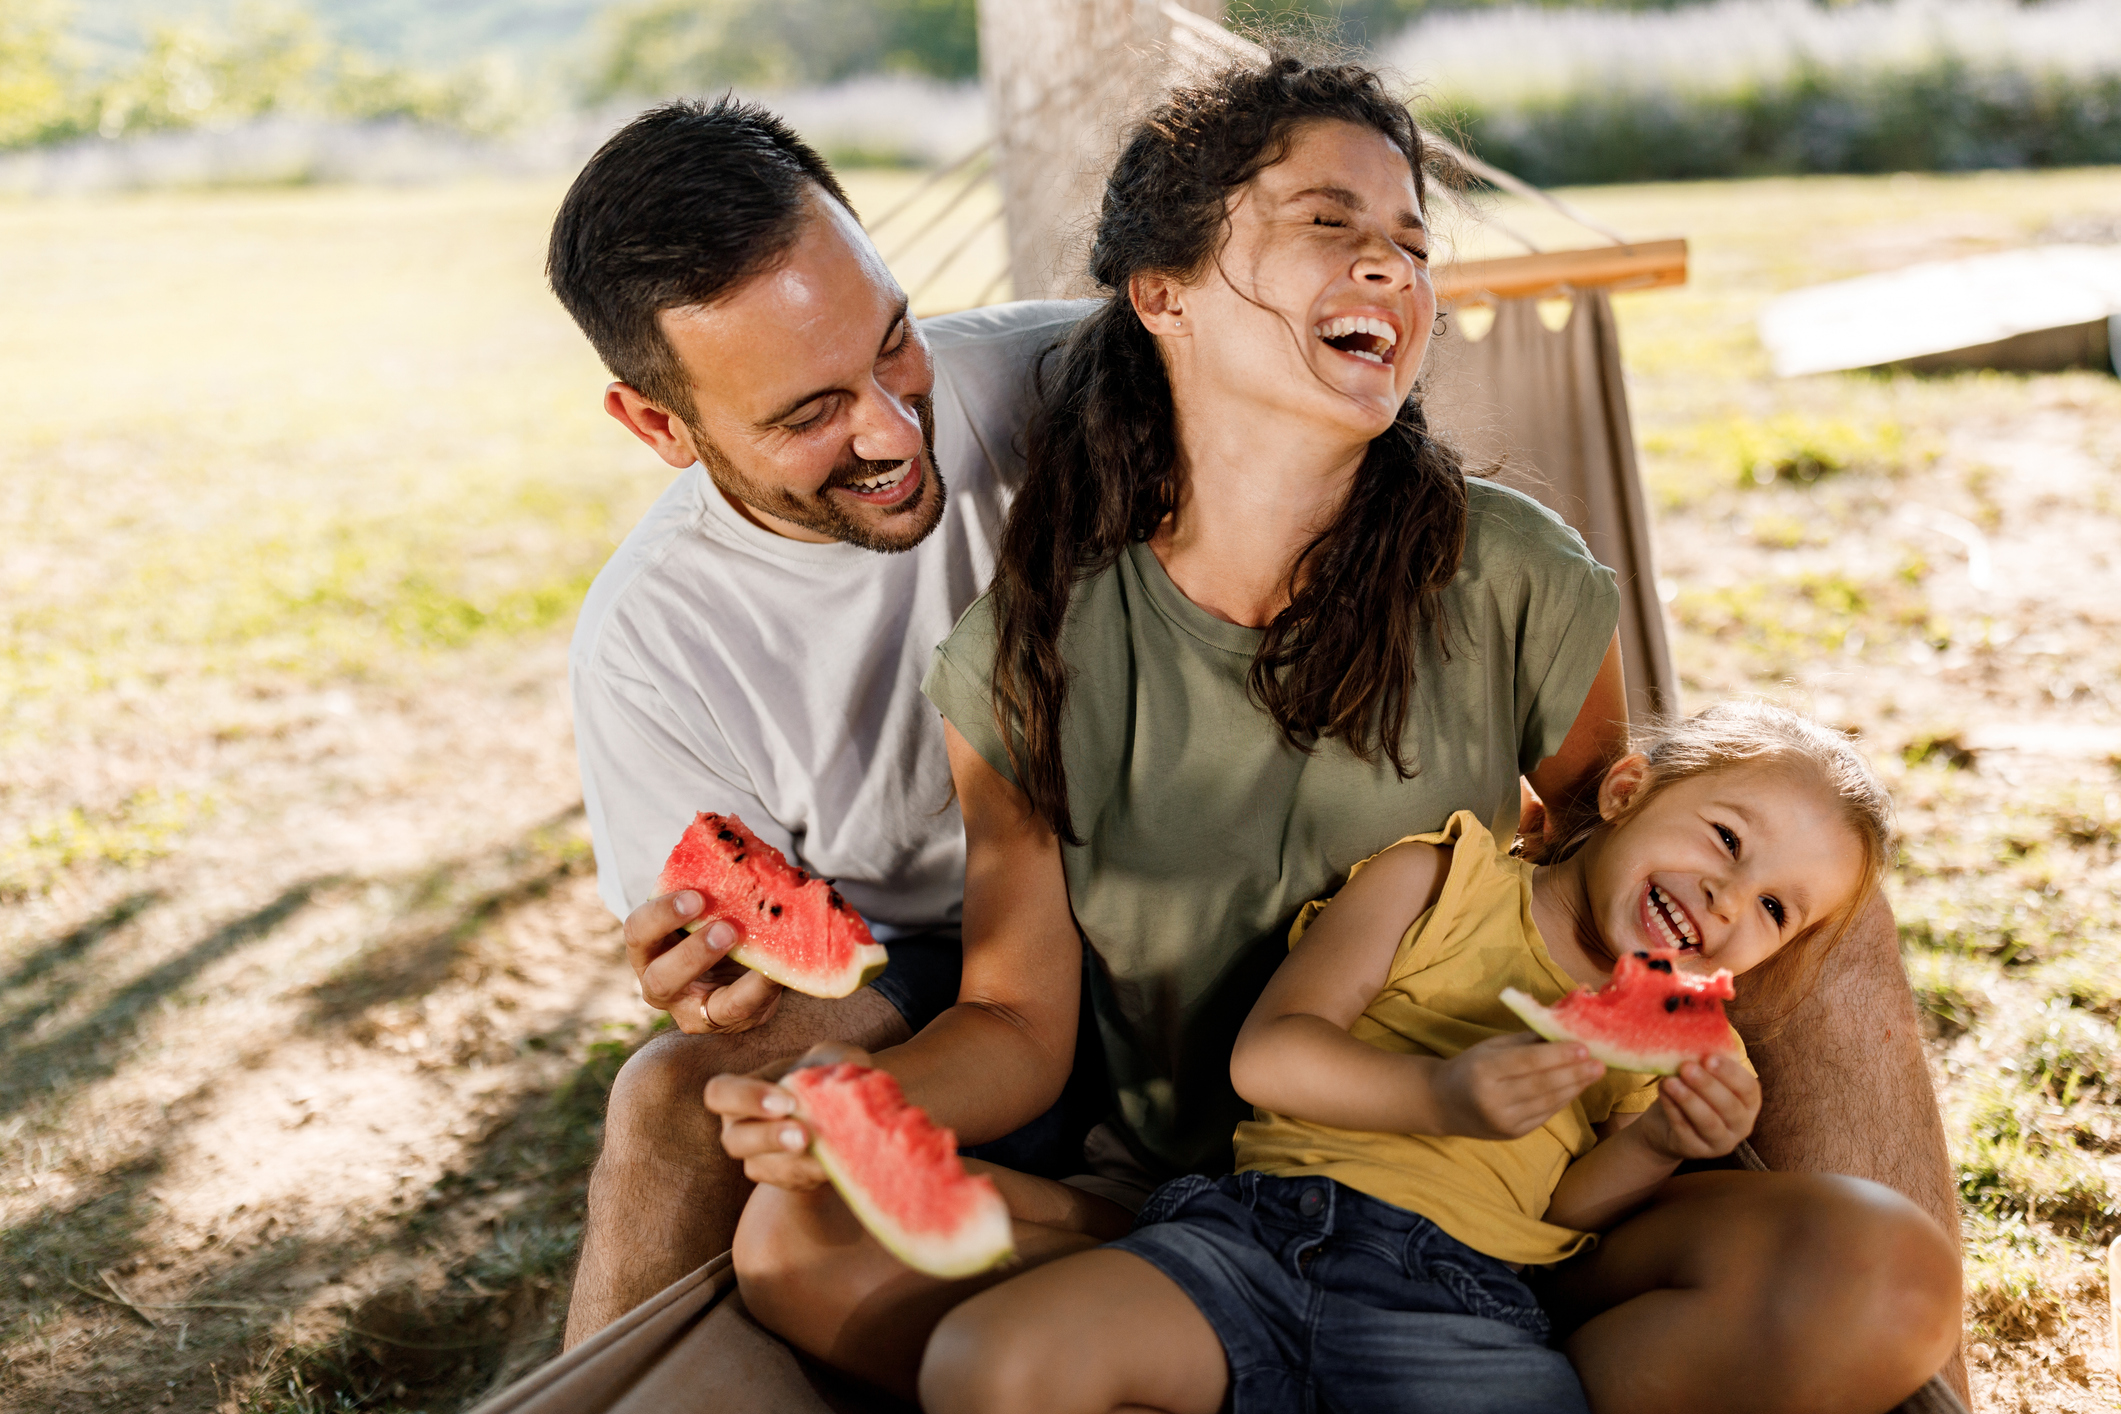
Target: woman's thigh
[
  {"x": 1750, "y": 1291},
  {"x": 810, "y": 1273},
  {"x": 1101, "y": 1330}
]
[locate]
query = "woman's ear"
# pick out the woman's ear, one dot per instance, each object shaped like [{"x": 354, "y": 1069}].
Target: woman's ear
[
  {"x": 1624, "y": 780},
  {"x": 1159, "y": 302}
]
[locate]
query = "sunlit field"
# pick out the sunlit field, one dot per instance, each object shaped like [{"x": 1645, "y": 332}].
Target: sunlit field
[{"x": 308, "y": 1003}]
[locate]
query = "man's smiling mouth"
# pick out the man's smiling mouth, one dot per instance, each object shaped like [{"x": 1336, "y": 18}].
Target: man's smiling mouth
[
  {"x": 1671, "y": 921},
  {"x": 1371, "y": 340},
  {"x": 884, "y": 484}
]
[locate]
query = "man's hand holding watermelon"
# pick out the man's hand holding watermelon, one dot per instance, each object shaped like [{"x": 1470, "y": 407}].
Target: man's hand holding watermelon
[{"x": 690, "y": 975}]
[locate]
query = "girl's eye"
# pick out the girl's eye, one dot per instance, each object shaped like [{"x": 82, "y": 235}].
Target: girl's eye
[
  {"x": 1730, "y": 841},
  {"x": 1775, "y": 910}
]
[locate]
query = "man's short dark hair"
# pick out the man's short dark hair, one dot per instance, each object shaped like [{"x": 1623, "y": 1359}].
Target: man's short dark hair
[{"x": 684, "y": 203}]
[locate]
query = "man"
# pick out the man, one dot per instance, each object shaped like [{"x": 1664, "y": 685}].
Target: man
[
  {"x": 755, "y": 648},
  {"x": 756, "y": 645}
]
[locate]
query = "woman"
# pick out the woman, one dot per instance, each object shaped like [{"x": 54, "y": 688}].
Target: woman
[{"x": 1251, "y": 625}]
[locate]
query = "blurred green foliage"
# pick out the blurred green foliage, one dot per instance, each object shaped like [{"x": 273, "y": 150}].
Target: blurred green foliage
[
  {"x": 1946, "y": 114},
  {"x": 654, "y": 47},
  {"x": 268, "y": 61}
]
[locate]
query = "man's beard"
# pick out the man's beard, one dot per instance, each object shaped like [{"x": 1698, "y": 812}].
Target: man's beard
[{"x": 902, "y": 526}]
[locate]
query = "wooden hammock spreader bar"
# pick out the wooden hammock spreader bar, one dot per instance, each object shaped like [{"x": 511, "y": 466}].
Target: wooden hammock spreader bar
[{"x": 1644, "y": 265}]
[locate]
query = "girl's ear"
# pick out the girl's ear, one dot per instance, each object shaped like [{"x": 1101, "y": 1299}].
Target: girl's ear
[
  {"x": 1159, "y": 302},
  {"x": 1624, "y": 780}
]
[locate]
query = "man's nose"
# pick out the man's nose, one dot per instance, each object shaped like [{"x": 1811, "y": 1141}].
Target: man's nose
[{"x": 887, "y": 428}]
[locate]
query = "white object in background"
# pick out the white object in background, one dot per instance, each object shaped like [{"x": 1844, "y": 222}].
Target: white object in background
[{"x": 1941, "y": 307}]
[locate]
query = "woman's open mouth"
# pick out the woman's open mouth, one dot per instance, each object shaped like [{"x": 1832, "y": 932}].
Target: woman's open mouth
[
  {"x": 1371, "y": 340},
  {"x": 886, "y": 488},
  {"x": 1669, "y": 922}
]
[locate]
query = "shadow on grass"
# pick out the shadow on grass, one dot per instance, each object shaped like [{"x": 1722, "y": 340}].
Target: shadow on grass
[
  {"x": 92, "y": 1047},
  {"x": 402, "y": 967},
  {"x": 62, "y": 950}
]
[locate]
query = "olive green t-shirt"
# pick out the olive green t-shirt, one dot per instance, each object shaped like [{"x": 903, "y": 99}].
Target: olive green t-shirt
[{"x": 1204, "y": 831}]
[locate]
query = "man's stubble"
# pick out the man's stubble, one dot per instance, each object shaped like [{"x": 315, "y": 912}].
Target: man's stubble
[{"x": 825, "y": 515}]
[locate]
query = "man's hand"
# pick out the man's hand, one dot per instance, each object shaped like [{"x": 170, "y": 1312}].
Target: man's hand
[
  {"x": 689, "y": 975},
  {"x": 757, "y": 1123},
  {"x": 1702, "y": 1112},
  {"x": 1507, "y": 1086}
]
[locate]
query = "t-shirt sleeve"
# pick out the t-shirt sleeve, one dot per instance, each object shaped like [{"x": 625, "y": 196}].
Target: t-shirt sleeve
[
  {"x": 960, "y": 684},
  {"x": 645, "y": 774},
  {"x": 1570, "y": 609}
]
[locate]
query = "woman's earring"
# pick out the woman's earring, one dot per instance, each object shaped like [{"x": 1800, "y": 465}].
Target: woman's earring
[{"x": 1436, "y": 330}]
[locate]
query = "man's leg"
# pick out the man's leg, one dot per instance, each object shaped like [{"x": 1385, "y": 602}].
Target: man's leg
[
  {"x": 664, "y": 1198},
  {"x": 1846, "y": 1088}
]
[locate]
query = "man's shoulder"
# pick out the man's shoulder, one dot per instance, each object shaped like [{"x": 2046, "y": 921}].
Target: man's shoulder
[
  {"x": 640, "y": 556},
  {"x": 1032, "y": 321}
]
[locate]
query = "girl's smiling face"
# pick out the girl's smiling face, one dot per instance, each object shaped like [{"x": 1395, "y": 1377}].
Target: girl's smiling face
[{"x": 1725, "y": 867}]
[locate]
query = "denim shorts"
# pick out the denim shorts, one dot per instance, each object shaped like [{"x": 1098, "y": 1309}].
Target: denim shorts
[{"x": 1328, "y": 1299}]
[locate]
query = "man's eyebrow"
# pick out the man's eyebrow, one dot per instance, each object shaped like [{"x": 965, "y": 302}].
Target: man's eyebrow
[
  {"x": 788, "y": 409},
  {"x": 1342, "y": 196}
]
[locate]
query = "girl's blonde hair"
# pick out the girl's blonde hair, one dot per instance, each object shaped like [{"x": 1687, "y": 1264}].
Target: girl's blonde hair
[{"x": 1748, "y": 733}]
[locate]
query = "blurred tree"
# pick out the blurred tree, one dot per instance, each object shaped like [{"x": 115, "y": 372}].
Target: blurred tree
[
  {"x": 191, "y": 76},
  {"x": 37, "y": 83},
  {"x": 678, "y": 46}
]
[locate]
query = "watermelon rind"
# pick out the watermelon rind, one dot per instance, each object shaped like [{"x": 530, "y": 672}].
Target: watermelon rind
[
  {"x": 1542, "y": 1020},
  {"x": 982, "y": 1246},
  {"x": 869, "y": 962}
]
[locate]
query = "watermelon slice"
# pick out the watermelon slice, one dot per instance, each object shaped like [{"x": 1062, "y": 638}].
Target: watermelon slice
[
  {"x": 795, "y": 929},
  {"x": 900, "y": 1173},
  {"x": 1650, "y": 1017}
]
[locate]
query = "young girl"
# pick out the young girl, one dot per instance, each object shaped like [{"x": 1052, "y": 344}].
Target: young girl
[{"x": 1416, "y": 1154}]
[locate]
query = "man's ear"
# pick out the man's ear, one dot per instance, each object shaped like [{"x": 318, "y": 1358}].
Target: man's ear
[
  {"x": 665, "y": 432},
  {"x": 1624, "y": 780},
  {"x": 1160, "y": 303}
]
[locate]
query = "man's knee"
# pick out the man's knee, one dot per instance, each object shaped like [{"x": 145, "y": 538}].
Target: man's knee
[
  {"x": 664, "y": 1083},
  {"x": 1862, "y": 1279}
]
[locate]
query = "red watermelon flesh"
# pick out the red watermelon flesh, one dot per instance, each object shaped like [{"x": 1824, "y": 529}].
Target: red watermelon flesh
[
  {"x": 1648, "y": 1019},
  {"x": 795, "y": 929},
  {"x": 900, "y": 1172}
]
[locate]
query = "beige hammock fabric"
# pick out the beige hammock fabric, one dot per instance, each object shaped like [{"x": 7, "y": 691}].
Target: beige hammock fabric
[{"x": 1547, "y": 409}]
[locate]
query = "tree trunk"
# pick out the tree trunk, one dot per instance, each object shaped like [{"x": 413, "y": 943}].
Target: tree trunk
[{"x": 1065, "y": 79}]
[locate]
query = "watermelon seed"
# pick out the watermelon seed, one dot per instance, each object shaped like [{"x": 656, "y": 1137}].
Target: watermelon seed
[
  {"x": 725, "y": 836},
  {"x": 1660, "y": 964},
  {"x": 1671, "y": 1003},
  {"x": 776, "y": 910}
]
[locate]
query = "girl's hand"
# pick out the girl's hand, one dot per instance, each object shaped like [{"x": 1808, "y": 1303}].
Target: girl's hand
[
  {"x": 758, "y": 1124},
  {"x": 1702, "y": 1112},
  {"x": 1507, "y": 1086}
]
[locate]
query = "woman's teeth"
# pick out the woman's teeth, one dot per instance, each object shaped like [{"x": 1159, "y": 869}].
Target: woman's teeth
[
  {"x": 1368, "y": 339},
  {"x": 1672, "y": 923}
]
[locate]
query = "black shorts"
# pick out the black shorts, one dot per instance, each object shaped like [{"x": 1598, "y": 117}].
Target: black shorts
[{"x": 921, "y": 980}]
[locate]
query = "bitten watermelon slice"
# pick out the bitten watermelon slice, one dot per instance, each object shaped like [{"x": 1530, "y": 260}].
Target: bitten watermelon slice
[
  {"x": 795, "y": 929},
  {"x": 1650, "y": 1017},
  {"x": 900, "y": 1173}
]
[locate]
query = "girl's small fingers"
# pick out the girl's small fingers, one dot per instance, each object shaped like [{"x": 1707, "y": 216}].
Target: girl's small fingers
[
  {"x": 758, "y": 1139},
  {"x": 1700, "y": 1117},
  {"x": 796, "y": 1172},
  {"x": 745, "y": 1097}
]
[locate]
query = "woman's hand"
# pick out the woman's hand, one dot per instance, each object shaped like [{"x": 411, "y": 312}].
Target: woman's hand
[
  {"x": 758, "y": 1123},
  {"x": 1703, "y": 1112},
  {"x": 1507, "y": 1086},
  {"x": 690, "y": 975}
]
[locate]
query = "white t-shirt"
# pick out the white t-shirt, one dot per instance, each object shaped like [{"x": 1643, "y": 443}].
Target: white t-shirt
[{"x": 718, "y": 666}]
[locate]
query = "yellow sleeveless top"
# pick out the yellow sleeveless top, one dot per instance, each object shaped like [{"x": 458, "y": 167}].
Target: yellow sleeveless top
[{"x": 1441, "y": 996}]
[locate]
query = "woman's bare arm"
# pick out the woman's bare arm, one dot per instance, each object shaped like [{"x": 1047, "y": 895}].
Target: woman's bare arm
[
  {"x": 1597, "y": 737},
  {"x": 999, "y": 1058}
]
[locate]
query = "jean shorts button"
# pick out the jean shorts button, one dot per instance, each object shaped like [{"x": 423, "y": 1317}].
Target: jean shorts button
[{"x": 1312, "y": 1203}]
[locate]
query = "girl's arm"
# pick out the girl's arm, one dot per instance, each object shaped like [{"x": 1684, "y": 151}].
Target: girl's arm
[
  {"x": 997, "y": 1059},
  {"x": 1701, "y": 1113},
  {"x": 1295, "y": 1056}
]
